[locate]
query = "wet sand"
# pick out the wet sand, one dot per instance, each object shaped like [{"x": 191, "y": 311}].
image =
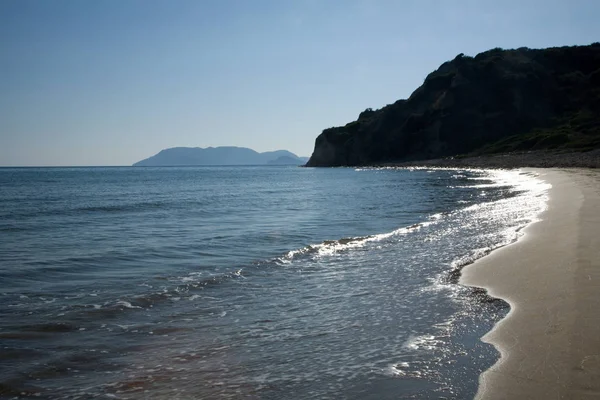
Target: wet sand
[{"x": 550, "y": 340}]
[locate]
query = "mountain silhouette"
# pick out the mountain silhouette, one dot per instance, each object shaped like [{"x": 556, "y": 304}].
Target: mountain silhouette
[{"x": 225, "y": 155}]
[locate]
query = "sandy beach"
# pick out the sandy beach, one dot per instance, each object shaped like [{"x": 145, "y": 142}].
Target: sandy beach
[{"x": 550, "y": 340}]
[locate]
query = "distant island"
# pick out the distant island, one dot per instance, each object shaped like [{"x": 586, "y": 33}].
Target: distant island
[
  {"x": 500, "y": 101},
  {"x": 288, "y": 160},
  {"x": 225, "y": 155}
]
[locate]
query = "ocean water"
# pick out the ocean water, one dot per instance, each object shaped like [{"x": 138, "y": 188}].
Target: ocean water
[{"x": 250, "y": 282}]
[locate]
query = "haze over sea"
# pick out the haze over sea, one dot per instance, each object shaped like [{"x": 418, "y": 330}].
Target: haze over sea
[{"x": 250, "y": 282}]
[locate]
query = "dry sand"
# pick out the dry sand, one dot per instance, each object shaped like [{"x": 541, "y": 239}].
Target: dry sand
[{"x": 550, "y": 340}]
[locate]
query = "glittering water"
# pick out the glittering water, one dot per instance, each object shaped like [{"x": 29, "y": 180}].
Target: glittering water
[{"x": 250, "y": 282}]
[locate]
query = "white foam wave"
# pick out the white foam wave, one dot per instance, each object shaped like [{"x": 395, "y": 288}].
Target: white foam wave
[
  {"x": 126, "y": 304},
  {"x": 513, "y": 213},
  {"x": 473, "y": 255},
  {"x": 333, "y": 247},
  {"x": 399, "y": 369}
]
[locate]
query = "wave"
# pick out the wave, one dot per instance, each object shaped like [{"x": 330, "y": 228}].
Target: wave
[
  {"x": 13, "y": 228},
  {"x": 19, "y": 216},
  {"x": 188, "y": 286},
  {"x": 519, "y": 184},
  {"x": 332, "y": 247},
  {"x": 116, "y": 208},
  {"x": 186, "y": 289}
]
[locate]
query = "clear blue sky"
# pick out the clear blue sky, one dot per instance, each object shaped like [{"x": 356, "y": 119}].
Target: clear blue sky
[{"x": 111, "y": 82}]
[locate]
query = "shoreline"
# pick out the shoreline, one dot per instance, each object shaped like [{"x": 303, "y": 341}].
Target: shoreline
[
  {"x": 530, "y": 159},
  {"x": 549, "y": 342}
]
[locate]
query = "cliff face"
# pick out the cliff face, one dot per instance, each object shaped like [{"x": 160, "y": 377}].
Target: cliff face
[{"x": 499, "y": 100}]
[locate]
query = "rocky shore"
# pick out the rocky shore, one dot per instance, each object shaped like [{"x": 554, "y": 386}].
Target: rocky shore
[{"x": 533, "y": 159}]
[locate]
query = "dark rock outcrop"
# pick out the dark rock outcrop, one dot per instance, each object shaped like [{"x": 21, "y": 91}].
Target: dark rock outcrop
[{"x": 497, "y": 101}]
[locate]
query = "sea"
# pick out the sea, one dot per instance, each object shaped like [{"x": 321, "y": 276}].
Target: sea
[{"x": 254, "y": 282}]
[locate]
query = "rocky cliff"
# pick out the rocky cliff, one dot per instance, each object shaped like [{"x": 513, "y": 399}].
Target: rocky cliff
[{"x": 497, "y": 101}]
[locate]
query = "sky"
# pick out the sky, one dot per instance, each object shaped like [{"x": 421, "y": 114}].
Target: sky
[{"x": 112, "y": 82}]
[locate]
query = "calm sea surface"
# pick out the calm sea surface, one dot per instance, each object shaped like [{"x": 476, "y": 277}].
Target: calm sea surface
[{"x": 250, "y": 282}]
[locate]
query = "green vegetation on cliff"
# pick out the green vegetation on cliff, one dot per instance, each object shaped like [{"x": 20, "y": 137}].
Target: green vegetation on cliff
[{"x": 497, "y": 101}]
